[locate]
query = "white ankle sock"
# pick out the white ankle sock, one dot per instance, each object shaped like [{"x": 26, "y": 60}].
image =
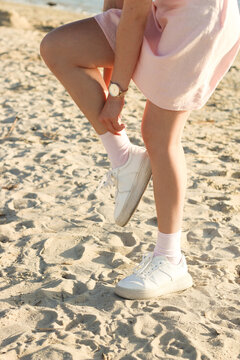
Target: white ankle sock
[
  {"x": 170, "y": 246},
  {"x": 117, "y": 147}
]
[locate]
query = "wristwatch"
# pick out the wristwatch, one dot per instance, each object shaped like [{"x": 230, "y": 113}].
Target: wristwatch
[{"x": 115, "y": 90}]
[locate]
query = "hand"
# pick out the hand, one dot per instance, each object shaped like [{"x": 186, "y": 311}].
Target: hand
[{"x": 110, "y": 114}]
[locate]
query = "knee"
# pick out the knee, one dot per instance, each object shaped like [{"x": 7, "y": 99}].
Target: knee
[
  {"x": 159, "y": 141},
  {"x": 49, "y": 49},
  {"x": 152, "y": 139}
]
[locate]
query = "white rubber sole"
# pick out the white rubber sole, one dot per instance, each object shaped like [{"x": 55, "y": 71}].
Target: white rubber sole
[
  {"x": 139, "y": 186},
  {"x": 180, "y": 284}
]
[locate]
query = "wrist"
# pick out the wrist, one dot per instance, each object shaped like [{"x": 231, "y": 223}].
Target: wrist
[
  {"x": 115, "y": 90},
  {"x": 122, "y": 84}
]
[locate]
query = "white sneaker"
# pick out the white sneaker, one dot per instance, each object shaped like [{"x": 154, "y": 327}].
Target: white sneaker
[
  {"x": 130, "y": 180},
  {"x": 155, "y": 276}
]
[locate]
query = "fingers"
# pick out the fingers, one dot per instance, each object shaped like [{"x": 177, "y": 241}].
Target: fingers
[
  {"x": 114, "y": 130},
  {"x": 117, "y": 126},
  {"x": 112, "y": 125}
]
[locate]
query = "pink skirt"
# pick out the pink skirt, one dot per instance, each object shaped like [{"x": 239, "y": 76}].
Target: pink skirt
[{"x": 188, "y": 46}]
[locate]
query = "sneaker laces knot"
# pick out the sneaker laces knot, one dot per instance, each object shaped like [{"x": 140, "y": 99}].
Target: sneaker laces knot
[{"x": 108, "y": 180}]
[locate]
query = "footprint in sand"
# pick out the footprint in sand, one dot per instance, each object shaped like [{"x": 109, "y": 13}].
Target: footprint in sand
[
  {"x": 145, "y": 326},
  {"x": 61, "y": 247},
  {"x": 222, "y": 207},
  {"x": 236, "y": 175},
  {"x": 228, "y": 158},
  {"x": 20, "y": 204},
  {"x": 24, "y": 225},
  {"x": 5, "y": 18},
  {"x": 112, "y": 259},
  {"x": 175, "y": 343},
  {"x": 127, "y": 238},
  {"x": 49, "y": 352},
  {"x": 237, "y": 279},
  {"x": 48, "y": 318},
  {"x": 152, "y": 221}
]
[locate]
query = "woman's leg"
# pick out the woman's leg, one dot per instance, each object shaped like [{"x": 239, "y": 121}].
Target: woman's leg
[
  {"x": 165, "y": 271},
  {"x": 162, "y": 130},
  {"x": 73, "y": 52}
]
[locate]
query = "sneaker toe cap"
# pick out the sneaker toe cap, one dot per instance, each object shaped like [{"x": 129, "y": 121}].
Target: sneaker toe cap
[{"x": 132, "y": 282}]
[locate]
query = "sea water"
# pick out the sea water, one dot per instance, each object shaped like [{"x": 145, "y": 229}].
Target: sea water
[{"x": 89, "y": 6}]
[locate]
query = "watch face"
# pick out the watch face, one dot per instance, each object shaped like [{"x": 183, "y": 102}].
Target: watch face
[{"x": 114, "y": 90}]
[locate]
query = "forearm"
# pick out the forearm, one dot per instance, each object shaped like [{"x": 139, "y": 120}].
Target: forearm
[
  {"x": 112, "y": 4},
  {"x": 109, "y": 4},
  {"x": 128, "y": 42}
]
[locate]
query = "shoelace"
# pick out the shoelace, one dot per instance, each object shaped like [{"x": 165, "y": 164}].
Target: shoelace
[
  {"x": 145, "y": 268},
  {"x": 143, "y": 264},
  {"x": 108, "y": 180},
  {"x": 149, "y": 270}
]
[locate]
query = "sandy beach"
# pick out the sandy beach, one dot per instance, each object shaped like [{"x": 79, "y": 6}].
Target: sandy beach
[{"x": 60, "y": 252}]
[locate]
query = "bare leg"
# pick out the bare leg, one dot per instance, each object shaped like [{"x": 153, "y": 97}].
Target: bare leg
[
  {"x": 74, "y": 52},
  {"x": 162, "y": 131},
  {"x": 164, "y": 271},
  {"x": 107, "y": 76}
]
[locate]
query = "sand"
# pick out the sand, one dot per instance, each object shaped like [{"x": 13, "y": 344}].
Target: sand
[{"x": 60, "y": 252}]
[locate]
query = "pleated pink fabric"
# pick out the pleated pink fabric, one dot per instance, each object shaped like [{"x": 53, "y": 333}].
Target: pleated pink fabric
[{"x": 188, "y": 46}]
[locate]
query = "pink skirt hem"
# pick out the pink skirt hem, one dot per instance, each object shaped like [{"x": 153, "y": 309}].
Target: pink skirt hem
[{"x": 186, "y": 50}]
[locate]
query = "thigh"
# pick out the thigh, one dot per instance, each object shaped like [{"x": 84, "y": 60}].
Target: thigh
[{"x": 82, "y": 43}]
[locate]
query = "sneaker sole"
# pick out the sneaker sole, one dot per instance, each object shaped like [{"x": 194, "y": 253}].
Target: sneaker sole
[
  {"x": 139, "y": 186},
  {"x": 180, "y": 284}
]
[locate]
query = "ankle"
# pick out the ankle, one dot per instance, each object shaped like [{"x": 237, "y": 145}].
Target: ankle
[
  {"x": 169, "y": 245},
  {"x": 117, "y": 147}
]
